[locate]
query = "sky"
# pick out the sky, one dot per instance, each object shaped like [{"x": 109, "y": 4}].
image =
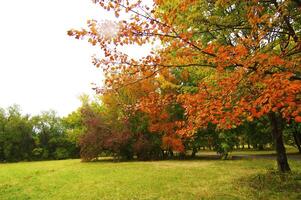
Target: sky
[{"x": 41, "y": 68}]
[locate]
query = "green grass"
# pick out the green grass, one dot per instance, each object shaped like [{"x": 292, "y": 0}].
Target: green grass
[
  {"x": 249, "y": 152},
  {"x": 183, "y": 180},
  {"x": 289, "y": 150}
]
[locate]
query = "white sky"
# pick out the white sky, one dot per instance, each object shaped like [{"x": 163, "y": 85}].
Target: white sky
[{"x": 42, "y": 68}]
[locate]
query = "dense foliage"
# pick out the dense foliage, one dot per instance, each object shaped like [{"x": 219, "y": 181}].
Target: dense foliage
[
  {"x": 111, "y": 130},
  {"x": 40, "y": 137}
]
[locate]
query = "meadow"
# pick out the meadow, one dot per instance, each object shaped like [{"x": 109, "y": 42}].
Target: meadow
[{"x": 173, "y": 179}]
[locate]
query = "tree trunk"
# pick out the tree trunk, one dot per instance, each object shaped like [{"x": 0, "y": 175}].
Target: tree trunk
[
  {"x": 171, "y": 153},
  {"x": 297, "y": 138},
  {"x": 194, "y": 151},
  {"x": 260, "y": 147},
  {"x": 276, "y": 126},
  {"x": 209, "y": 143},
  {"x": 164, "y": 155}
]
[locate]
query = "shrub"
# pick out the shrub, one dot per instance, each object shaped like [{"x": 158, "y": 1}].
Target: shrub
[
  {"x": 37, "y": 153},
  {"x": 61, "y": 153}
]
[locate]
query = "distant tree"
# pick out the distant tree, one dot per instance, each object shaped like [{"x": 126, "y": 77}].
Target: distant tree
[
  {"x": 257, "y": 133},
  {"x": 16, "y": 135},
  {"x": 51, "y": 137},
  {"x": 74, "y": 128},
  {"x": 292, "y": 133},
  {"x": 99, "y": 138}
]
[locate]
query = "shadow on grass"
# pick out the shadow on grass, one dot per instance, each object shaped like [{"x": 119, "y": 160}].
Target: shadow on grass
[{"x": 271, "y": 185}]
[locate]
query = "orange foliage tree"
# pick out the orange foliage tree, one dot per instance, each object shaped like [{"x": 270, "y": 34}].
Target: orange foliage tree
[{"x": 253, "y": 48}]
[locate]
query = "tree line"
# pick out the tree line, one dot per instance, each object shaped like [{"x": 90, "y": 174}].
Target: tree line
[
  {"x": 104, "y": 127},
  {"x": 112, "y": 130},
  {"x": 40, "y": 137}
]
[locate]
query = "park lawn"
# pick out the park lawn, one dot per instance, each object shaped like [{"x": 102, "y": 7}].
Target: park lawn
[
  {"x": 183, "y": 180},
  {"x": 250, "y": 152},
  {"x": 289, "y": 150}
]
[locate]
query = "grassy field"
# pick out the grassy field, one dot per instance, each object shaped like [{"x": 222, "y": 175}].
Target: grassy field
[
  {"x": 250, "y": 152},
  {"x": 197, "y": 179}
]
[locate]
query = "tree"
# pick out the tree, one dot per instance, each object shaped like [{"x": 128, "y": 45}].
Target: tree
[
  {"x": 114, "y": 126},
  {"x": 74, "y": 129},
  {"x": 257, "y": 133},
  {"x": 99, "y": 138},
  {"x": 51, "y": 137},
  {"x": 16, "y": 135},
  {"x": 252, "y": 46},
  {"x": 293, "y": 134},
  {"x": 44, "y": 136}
]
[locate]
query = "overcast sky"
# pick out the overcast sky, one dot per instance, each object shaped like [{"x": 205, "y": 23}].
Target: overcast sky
[{"x": 41, "y": 68}]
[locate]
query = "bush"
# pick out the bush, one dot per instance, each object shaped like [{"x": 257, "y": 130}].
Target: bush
[
  {"x": 45, "y": 155},
  {"x": 148, "y": 148},
  {"x": 37, "y": 153},
  {"x": 61, "y": 153}
]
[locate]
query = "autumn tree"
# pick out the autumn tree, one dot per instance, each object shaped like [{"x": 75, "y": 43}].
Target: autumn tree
[
  {"x": 122, "y": 113},
  {"x": 252, "y": 46}
]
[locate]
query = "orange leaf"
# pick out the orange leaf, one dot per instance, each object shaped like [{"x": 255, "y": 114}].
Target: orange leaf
[{"x": 298, "y": 119}]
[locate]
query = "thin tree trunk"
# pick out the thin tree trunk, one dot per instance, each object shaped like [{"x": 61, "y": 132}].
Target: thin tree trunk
[
  {"x": 209, "y": 143},
  {"x": 164, "y": 156},
  {"x": 260, "y": 147},
  {"x": 171, "y": 153},
  {"x": 194, "y": 151},
  {"x": 276, "y": 126},
  {"x": 297, "y": 138}
]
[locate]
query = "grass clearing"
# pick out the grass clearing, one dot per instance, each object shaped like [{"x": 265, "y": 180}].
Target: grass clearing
[
  {"x": 289, "y": 150},
  {"x": 195, "y": 179}
]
